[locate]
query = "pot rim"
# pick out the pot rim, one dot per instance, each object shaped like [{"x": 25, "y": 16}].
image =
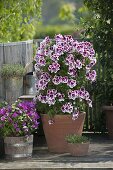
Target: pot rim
[
  {"x": 18, "y": 136},
  {"x": 81, "y": 113}
]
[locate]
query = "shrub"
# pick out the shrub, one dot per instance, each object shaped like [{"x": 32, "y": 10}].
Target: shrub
[
  {"x": 12, "y": 70},
  {"x": 76, "y": 139}
]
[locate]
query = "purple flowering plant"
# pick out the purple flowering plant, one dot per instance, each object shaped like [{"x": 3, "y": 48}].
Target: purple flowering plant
[
  {"x": 62, "y": 68},
  {"x": 18, "y": 119}
]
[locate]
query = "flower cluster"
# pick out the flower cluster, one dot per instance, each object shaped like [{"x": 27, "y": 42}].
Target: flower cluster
[
  {"x": 18, "y": 119},
  {"x": 62, "y": 69}
]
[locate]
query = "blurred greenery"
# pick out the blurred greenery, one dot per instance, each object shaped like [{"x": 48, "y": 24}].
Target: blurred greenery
[
  {"x": 51, "y": 9},
  {"x": 98, "y": 24},
  {"x": 51, "y": 30},
  {"x": 67, "y": 11},
  {"x": 17, "y": 19}
]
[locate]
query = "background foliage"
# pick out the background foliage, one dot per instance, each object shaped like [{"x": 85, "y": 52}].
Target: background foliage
[
  {"x": 98, "y": 26},
  {"x": 17, "y": 19},
  {"x": 99, "y": 23},
  {"x": 100, "y": 30},
  {"x": 52, "y": 8},
  {"x": 43, "y": 31}
]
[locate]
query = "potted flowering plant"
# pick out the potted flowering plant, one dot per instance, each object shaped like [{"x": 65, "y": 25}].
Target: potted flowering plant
[
  {"x": 77, "y": 145},
  {"x": 62, "y": 69},
  {"x": 17, "y": 123}
]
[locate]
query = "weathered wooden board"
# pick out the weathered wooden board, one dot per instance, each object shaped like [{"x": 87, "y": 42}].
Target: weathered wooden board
[{"x": 2, "y": 92}]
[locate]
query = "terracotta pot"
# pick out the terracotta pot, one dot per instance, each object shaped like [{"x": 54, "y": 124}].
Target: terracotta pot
[
  {"x": 63, "y": 125},
  {"x": 109, "y": 120},
  {"x": 78, "y": 149},
  {"x": 18, "y": 147}
]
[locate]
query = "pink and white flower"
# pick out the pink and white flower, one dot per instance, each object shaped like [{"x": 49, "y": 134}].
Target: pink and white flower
[
  {"x": 59, "y": 39},
  {"x": 54, "y": 67},
  {"x": 72, "y": 72},
  {"x": 91, "y": 64},
  {"x": 40, "y": 61},
  {"x": 57, "y": 80},
  {"x": 71, "y": 83},
  {"x": 65, "y": 79},
  {"x": 46, "y": 42},
  {"x": 61, "y": 97},
  {"x": 70, "y": 59},
  {"x": 73, "y": 94},
  {"x": 67, "y": 108},
  {"x": 91, "y": 75},
  {"x": 45, "y": 76},
  {"x": 41, "y": 98},
  {"x": 54, "y": 57},
  {"x": 78, "y": 64},
  {"x": 41, "y": 84},
  {"x": 58, "y": 49},
  {"x": 75, "y": 114}
]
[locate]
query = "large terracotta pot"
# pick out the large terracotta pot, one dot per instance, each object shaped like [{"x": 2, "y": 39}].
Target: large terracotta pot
[
  {"x": 63, "y": 125},
  {"x": 109, "y": 120}
]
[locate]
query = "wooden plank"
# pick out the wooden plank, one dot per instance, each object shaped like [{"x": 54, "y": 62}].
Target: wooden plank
[
  {"x": 13, "y": 53},
  {"x": 18, "y": 52},
  {"x": 29, "y": 56},
  {"x": 2, "y": 90}
]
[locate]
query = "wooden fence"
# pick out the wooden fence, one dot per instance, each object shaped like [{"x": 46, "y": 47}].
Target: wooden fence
[{"x": 15, "y": 53}]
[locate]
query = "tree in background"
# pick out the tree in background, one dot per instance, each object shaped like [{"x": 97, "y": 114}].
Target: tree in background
[
  {"x": 99, "y": 23},
  {"x": 52, "y": 8},
  {"x": 18, "y": 19},
  {"x": 67, "y": 11},
  {"x": 70, "y": 11}
]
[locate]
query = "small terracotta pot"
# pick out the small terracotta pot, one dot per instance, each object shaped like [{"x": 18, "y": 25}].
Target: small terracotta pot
[{"x": 78, "y": 149}]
